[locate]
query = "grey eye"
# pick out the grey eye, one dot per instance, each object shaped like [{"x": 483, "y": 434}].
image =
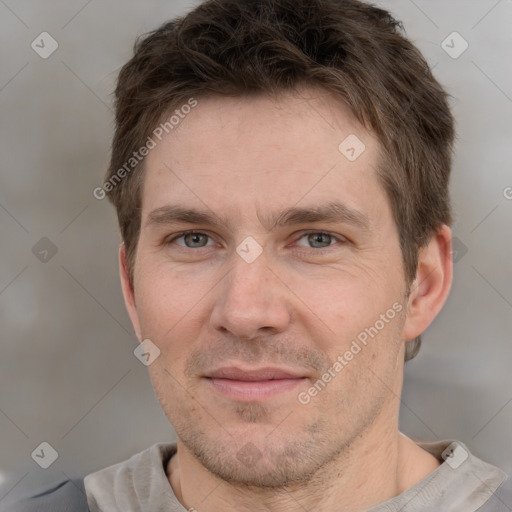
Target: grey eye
[
  {"x": 195, "y": 240},
  {"x": 319, "y": 240}
]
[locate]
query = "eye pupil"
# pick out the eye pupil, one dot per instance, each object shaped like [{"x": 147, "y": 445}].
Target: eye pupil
[
  {"x": 317, "y": 238},
  {"x": 194, "y": 239}
]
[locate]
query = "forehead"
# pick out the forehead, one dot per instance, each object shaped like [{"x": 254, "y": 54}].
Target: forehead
[{"x": 257, "y": 153}]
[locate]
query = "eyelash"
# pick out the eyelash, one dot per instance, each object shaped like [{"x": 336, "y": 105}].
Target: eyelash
[{"x": 337, "y": 238}]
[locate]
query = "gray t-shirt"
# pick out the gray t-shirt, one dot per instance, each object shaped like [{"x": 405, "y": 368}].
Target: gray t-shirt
[{"x": 462, "y": 483}]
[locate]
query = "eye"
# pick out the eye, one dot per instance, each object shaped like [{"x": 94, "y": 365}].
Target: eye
[
  {"x": 320, "y": 240},
  {"x": 198, "y": 240},
  {"x": 191, "y": 239}
]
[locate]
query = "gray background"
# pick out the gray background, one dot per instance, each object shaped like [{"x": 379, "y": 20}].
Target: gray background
[{"x": 68, "y": 375}]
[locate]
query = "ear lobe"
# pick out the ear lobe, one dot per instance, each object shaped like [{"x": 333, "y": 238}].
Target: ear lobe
[
  {"x": 432, "y": 284},
  {"x": 128, "y": 290}
]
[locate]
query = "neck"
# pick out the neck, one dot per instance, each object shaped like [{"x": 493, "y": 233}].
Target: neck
[{"x": 375, "y": 468}]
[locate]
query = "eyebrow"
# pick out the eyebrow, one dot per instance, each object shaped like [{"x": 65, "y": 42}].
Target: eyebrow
[{"x": 333, "y": 212}]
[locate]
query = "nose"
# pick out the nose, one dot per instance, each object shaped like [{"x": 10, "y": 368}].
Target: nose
[{"x": 251, "y": 300}]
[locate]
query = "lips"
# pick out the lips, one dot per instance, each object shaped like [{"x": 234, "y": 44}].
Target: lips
[
  {"x": 253, "y": 385},
  {"x": 233, "y": 373}
]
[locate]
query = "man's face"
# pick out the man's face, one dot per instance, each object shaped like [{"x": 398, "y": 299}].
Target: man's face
[{"x": 220, "y": 311}]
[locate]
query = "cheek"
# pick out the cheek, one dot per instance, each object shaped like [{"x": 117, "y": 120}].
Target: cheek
[
  {"x": 168, "y": 304},
  {"x": 343, "y": 300},
  {"x": 168, "y": 287}
]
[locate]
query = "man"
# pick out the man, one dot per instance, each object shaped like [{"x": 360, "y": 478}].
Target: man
[{"x": 280, "y": 172}]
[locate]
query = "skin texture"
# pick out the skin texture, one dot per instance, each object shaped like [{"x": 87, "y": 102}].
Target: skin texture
[{"x": 299, "y": 305}]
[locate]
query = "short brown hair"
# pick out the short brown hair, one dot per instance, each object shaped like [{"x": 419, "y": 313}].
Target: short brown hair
[{"x": 350, "y": 48}]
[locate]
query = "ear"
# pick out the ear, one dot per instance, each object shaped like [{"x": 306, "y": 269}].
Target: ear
[
  {"x": 431, "y": 286},
  {"x": 128, "y": 291}
]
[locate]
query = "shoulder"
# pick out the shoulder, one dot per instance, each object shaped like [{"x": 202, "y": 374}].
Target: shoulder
[
  {"x": 66, "y": 495},
  {"x": 501, "y": 499}
]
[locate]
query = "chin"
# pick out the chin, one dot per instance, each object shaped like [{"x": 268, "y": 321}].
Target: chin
[{"x": 259, "y": 457}]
